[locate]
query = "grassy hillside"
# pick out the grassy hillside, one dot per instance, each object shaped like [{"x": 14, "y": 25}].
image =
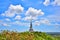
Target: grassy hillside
[{"x": 5, "y": 35}]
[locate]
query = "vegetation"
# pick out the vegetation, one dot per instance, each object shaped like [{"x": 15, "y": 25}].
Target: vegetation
[
  {"x": 57, "y": 36},
  {"x": 7, "y": 35}
]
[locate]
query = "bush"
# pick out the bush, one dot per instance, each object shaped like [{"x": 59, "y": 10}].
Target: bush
[{"x": 6, "y": 35}]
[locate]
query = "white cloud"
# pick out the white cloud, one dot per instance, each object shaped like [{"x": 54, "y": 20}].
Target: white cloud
[
  {"x": 16, "y": 8},
  {"x": 36, "y": 23},
  {"x": 18, "y": 17},
  {"x": 56, "y": 2},
  {"x": 34, "y": 12},
  {"x": 45, "y": 21},
  {"x": 29, "y": 18},
  {"x": 7, "y": 19},
  {"x": 2, "y": 23},
  {"x": 8, "y": 14},
  {"x": 42, "y": 21},
  {"x": 2, "y": 14},
  {"x": 18, "y": 23},
  {"x": 54, "y": 18},
  {"x": 57, "y": 25},
  {"x": 13, "y": 10},
  {"x": 46, "y": 2},
  {"x": 5, "y": 24}
]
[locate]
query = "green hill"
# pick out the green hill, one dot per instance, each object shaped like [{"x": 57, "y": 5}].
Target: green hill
[{"x": 5, "y": 35}]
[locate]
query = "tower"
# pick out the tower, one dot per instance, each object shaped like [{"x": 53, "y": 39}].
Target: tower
[{"x": 31, "y": 29}]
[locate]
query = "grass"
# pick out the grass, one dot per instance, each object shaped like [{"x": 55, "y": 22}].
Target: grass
[{"x": 6, "y": 35}]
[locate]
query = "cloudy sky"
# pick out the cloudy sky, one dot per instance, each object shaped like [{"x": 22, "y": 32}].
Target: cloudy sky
[{"x": 16, "y": 15}]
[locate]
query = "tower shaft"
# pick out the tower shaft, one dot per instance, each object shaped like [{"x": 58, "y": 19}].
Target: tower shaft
[{"x": 31, "y": 29}]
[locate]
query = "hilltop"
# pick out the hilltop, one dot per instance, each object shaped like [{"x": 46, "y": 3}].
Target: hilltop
[{"x": 25, "y": 36}]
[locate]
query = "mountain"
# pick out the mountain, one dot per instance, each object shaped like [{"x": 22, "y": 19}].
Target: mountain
[
  {"x": 53, "y": 33},
  {"x": 25, "y": 36}
]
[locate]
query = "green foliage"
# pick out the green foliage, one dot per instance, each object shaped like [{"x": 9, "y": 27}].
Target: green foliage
[{"x": 6, "y": 35}]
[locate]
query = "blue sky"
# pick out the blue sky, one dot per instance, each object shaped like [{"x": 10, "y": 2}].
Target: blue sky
[{"x": 16, "y": 15}]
